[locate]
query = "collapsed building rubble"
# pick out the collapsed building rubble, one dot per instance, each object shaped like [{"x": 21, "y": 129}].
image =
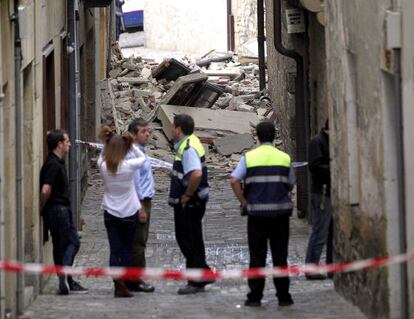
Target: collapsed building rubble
[{"x": 217, "y": 90}]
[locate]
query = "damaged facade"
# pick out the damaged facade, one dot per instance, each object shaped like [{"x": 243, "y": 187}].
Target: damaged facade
[{"x": 34, "y": 100}]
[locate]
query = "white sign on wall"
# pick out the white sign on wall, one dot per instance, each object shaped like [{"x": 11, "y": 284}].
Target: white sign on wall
[{"x": 295, "y": 21}]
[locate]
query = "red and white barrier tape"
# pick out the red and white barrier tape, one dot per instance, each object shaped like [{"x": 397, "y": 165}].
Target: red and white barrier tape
[
  {"x": 158, "y": 163},
  {"x": 202, "y": 274}
]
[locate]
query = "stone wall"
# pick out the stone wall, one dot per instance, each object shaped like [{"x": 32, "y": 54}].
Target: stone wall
[
  {"x": 281, "y": 78},
  {"x": 364, "y": 191}
]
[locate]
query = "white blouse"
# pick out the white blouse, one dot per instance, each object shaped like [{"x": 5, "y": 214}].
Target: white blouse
[{"x": 120, "y": 198}]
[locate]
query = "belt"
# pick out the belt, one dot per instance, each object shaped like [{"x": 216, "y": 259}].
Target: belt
[{"x": 147, "y": 198}]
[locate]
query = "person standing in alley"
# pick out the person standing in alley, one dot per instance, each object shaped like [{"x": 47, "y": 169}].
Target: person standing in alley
[
  {"x": 119, "y": 18},
  {"x": 145, "y": 188},
  {"x": 120, "y": 202},
  {"x": 268, "y": 179},
  {"x": 188, "y": 196},
  {"x": 322, "y": 226},
  {"x": 55, "y": 208}
]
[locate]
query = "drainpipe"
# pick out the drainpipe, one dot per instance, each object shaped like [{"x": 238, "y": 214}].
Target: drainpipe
[
  {"x": 76, "y": 212},
  {"x": 2, "y": 225},
  {"x": 19, "y": 168},
  {"x": 261, "y": 42},
  {"x": 400, "y": 166},
  {"x": 401, "y": 181},
  {"x": 230, "y": 27},
  {"x": 301, "y": 109},
  {"x": 72, "y": 104}
]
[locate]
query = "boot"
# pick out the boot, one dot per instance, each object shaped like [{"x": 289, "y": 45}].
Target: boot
[{"x": 121, "y": 290}]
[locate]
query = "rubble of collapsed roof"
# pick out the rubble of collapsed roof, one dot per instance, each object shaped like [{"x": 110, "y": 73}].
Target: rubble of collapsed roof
[{"x": 221, "y": 92}]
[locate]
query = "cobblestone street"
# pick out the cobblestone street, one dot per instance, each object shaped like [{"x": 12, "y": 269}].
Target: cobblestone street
[{"x": 226, "y": 244}]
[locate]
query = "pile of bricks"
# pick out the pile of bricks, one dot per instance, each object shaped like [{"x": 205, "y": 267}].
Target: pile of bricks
[{"x": 139, "y": 87}]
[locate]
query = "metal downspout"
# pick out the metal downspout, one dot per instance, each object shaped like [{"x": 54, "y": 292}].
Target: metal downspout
[
  {"x": 261, "y": 42},
  {"x": 301, "y": 109},
  {"x": 72, "y": 104},
  {"x": 401, "y": 181},
  {"x": 402, "y": 211},
  {"x": 19, "y": 168},
  {"x": 2, "y": 225},
  {"x": 76, "y": 211},
  {"x": 230, "y": 26}
]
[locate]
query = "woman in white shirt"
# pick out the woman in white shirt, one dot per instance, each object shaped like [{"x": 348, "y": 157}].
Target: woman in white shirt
[{"x": 120, "y": 201}]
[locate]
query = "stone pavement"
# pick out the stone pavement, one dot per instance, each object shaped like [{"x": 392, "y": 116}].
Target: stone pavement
[{"x": 226, "y": 245}]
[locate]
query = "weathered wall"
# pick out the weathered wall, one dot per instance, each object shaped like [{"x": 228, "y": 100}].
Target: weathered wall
[
  {"x": 363, "y": 153},
  {"x": 9, "y": 198},
  {"x": 318, "y": 97},
  {"x": 191, "y": 26},
  {"x": 408, "y": 114},
  {"x": 281, "y": 75}
]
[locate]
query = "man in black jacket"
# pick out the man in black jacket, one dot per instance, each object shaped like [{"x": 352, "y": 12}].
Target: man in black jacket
[{"x": 320, "y": 201}]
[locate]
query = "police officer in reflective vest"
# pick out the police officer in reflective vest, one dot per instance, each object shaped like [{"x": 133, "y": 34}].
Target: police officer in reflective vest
[
  {"x": 188, "y": 196},
  {"x": 268, "y": 179}
]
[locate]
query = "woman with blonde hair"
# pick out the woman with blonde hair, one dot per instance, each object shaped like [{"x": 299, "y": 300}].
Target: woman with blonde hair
[{"x": 120, "y": 202}]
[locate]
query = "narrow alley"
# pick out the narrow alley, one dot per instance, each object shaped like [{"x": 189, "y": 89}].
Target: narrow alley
[
  {"x": 289, "y": 121},
  {"x": 226, "y": 247}
]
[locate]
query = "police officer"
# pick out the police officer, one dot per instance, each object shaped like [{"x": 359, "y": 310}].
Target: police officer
[
  {"x": 188, "y": 196},
  {"x": 268, "y": 178}
]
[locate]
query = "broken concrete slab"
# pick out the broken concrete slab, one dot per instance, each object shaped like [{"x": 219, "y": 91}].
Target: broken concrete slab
[
  {"x": 234, "y": 144},
  {"x": 208, "y": 120},
  {"x": 245, "y": 108},
  {"x": 170, "y": 69},
  {"x": 133, "y": 80},
  {"x": 221, "y": 73},
  {"x": 131, "y": 66},
  {"x": 146, "y": 73},
  {"x": 180, "y": 91},
  {"x": 159, "y": 140},
  {"x": 115, "y": 73}
]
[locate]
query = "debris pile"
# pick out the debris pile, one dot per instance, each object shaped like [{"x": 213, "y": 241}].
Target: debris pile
[{"x": 218, "y": 90}]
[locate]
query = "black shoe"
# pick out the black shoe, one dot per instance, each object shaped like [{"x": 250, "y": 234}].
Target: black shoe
[
  {"x": 252, "y": 303},
  {"x": 144, "y": 287},
  {"x": 315, "y": 277},
  {"x": 208, "y": 282},
  {"x": 190, "y": 289},
  {"x": 76, "y": 288},
  {"x": 63, "y": 289},
  {"x": 287, "y": 302}
]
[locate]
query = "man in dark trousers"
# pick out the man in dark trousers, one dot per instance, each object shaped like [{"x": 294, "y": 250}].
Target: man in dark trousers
[
  {"x": 189, "y": 195},
  {"x": 145, "y": 188},
  {"x": 320, "y": 201},
  {"x": 55, "y": 208},
  {"x": 268, "y": 179}
]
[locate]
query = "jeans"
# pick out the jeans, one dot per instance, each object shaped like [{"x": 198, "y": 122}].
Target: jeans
[
  {"x": 65, "y": 238},
  {"x": 189, "y": 235},
  {"x": 260, "y": 231},
  {"x": 322, "y": 229},
  {"x": 121, "y": 233}
]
